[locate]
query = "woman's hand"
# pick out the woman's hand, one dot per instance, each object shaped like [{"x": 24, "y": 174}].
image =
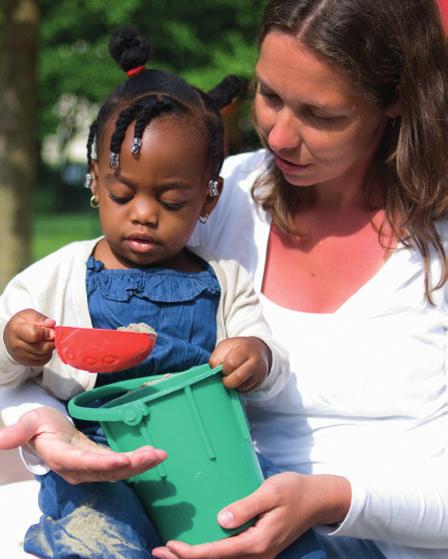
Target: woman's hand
[
  {"x": 286, "y": 504},
  {"x": 29, "y": 338},
  {"x": 71, "y": 454},
  {"x": 246, "y": 362}
]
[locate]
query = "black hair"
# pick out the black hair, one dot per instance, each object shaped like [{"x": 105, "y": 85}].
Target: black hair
[{"x": 148, "y": 93}]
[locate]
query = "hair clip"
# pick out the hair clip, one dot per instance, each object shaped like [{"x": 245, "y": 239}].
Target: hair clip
[
  {"x": 114, "y": 160},
  {"x": 136, "y": 146},
  {"x": 88, "y": 181},
  {"x": 213, "y": 190}
]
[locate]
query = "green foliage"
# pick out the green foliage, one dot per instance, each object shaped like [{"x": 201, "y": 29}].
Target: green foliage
[
  {"x": 203, "y": 40},
  {"x": 51, "y": 232}
]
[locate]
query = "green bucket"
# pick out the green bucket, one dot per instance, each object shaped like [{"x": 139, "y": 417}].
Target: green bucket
[{"x": 203, "y": 428}]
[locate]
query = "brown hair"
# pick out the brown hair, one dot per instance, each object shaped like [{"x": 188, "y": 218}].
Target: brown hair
[{"x": 384, "y": 47}]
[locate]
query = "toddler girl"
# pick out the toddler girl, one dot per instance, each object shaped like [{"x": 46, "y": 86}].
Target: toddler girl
[{"x": 154, "y": 155}]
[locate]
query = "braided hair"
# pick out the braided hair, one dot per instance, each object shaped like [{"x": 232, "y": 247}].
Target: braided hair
[{"x": 149, "y": 93}]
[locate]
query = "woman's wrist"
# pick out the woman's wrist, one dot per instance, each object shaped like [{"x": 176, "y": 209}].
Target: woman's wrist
[{"x": 333, "y": 495}]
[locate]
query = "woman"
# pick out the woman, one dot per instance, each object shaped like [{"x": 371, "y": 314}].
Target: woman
[{"x": 346, "y": 242}]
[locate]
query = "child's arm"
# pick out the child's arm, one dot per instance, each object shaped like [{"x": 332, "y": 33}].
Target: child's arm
[
  {"x": 29, "y": 338},
  {"x": 240, "y": 317}
]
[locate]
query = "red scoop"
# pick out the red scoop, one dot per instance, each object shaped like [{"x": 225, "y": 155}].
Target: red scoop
[{"x": 102, "y": 351}]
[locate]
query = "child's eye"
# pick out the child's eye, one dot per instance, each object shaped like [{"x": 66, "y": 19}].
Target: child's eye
[
  {"x": 173, "y": 206},
  {"x": 120, "y": 199}
]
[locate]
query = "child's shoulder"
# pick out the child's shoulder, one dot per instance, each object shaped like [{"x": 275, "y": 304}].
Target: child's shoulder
[
  {"x": 61, "y": 257},
  {"x": 228, "y": 271}
]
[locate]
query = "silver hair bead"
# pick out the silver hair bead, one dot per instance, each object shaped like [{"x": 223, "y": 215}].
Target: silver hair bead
[
  {"x": 88, "y": 181},
  {"x": 114, "y": 160},
  {"x": 136, "y": 146},
  {"x": 213, "y": 190}
]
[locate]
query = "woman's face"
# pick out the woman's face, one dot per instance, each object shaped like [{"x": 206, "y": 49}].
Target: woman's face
[{"x": 317, "y": 127}]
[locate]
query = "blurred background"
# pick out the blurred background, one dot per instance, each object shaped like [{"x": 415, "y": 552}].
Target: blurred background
[{"x": 55, "y": 69}]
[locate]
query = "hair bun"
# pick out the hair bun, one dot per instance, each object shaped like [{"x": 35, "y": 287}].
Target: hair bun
[
  {"x": 227, "y": 91},
  {"x": 128, "y": 48}
]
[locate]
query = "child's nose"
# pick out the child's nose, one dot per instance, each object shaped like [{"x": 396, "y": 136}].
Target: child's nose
[{"x": 144, "y": 212}]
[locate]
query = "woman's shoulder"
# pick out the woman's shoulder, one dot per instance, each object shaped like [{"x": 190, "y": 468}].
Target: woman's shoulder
[{"x": 241, "y": 167}]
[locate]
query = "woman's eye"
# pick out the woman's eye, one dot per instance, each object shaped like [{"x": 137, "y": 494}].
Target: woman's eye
[{"x": 269, "y": 95}]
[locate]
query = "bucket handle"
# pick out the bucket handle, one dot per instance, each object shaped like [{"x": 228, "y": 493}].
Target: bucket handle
[{"x": 129, "y": 413}]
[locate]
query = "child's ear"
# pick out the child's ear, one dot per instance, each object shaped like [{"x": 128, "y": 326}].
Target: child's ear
[
  {"x": 94, "y": 170},
  {"x": 212, "y": 198}
]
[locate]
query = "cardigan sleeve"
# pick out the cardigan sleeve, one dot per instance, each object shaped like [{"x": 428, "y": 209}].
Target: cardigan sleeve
[
  {"x": 243, "y": 316},
  {"x": 16, "y": 296}
]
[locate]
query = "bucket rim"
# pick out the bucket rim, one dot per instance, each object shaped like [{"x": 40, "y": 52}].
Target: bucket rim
[{"x": 78, "y": 408}]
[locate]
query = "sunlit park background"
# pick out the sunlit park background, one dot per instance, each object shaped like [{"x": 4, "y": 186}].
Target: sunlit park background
[{"x": 54, "y": 71}]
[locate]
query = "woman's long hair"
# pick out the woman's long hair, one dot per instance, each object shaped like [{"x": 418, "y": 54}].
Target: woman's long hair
[{"x": 389, "y": 50}]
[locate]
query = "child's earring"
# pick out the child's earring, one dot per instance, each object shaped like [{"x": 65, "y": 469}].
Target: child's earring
[
  {"x": 94, "y": 202},
  {"x": 88, "y": 181},
  {"x": 203, "y": 218},
  {"x": 213, "y": 190},
  {"x": 114, "y": 160}
]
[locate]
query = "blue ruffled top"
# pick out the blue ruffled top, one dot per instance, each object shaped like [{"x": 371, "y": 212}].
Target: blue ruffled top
[{"x": 180, "y": 306}]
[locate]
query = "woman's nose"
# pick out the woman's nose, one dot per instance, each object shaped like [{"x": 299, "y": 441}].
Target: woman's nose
[{"x": 285, "y": 132}]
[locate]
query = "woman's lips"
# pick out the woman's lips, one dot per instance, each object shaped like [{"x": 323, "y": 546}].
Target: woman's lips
[{"x": 288, "y": 167}]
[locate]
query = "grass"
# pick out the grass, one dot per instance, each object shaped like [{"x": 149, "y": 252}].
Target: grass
[{"x": 51, "y": 232}]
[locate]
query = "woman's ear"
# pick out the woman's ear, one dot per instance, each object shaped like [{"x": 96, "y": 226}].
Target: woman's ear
[
  {"x": 215, "y": 187},
  {"x": 393, "y": 109}
]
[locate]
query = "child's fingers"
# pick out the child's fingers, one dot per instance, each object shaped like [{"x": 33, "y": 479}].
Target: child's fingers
[
  {"x": 238, "y": 376},
  {"x": 34, "y": 333},
  {"x": 219, "y": 354}
]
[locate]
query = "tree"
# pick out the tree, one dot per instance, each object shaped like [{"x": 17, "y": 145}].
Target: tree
[{"x": 18, "y": 94}]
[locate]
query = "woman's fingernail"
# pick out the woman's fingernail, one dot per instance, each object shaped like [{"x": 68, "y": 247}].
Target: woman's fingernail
[{"x": 225, "y": 518}]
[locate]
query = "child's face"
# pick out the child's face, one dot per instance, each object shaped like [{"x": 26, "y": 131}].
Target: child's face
[{"x": 149, "y": 206}]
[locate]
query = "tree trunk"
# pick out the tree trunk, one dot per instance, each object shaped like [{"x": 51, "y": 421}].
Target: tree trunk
[{"x": 18, "y": 132}]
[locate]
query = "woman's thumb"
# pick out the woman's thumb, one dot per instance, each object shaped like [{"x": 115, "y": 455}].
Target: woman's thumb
[
  {"x": 241, "y": 511},
  {"x": 18, "y": 434}
]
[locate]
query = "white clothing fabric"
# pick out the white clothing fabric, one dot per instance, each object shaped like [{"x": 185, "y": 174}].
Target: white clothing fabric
[
  {"x": 56, "y": 287},
  {"x": 368, "y": 396}
]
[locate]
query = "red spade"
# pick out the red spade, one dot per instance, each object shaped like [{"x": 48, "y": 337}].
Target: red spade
[{"x": 102, "y": 351}]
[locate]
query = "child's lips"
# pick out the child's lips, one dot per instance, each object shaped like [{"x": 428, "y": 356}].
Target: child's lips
[{"x": 142, "y": 244}]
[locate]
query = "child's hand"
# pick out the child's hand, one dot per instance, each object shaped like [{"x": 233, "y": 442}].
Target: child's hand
[
  {"x": 246, "y": 362},
  {"x": 29, "y": 338}
]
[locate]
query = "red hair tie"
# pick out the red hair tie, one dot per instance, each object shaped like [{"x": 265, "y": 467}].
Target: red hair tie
[{"x": 135, "y": 71}]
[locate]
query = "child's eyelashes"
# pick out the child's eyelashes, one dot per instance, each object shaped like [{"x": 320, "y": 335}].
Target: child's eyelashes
[
  {"x": 170, "y": 206},
  {"x": 120, "y": 199},
  {"x": 173, "y": 206}
]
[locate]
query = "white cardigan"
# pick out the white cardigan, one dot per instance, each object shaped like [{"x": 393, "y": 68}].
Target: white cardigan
[{"x": 56, "y": 287}]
